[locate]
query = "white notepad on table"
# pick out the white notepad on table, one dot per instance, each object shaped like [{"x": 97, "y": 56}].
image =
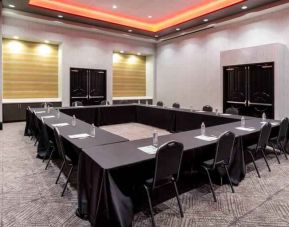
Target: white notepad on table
[
  {"x": 79, "y": 136},
  {"x": 60, "y": 124},
  {"x": 48, "y": 116},
  {"x": 206, "y": 138},
  {"x": 39, "y": 112},
  {"x": 245, "y": 129},
  {"x": 225, "y": 114},
  {"x": 200, "y": 111},
  {"x": 149, "y": 149}
]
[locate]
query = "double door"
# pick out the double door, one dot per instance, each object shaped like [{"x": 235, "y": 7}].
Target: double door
[
  {"x": 87, "y": 85},
  {"x": 250, "y": 89}
]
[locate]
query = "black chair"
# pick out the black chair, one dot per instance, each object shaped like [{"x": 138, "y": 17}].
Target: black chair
[
  {"x": 48, "y": 104},
  {"x": 36, "y": 128},
  {"x": 160, "y": 103},
  {"x": 261, "y": 146},
  {"x": 176, "y": 105},
  {"x": 67, "y": 162},
  {"x": 222, "y": 159},
  {"x": 280, "y": 141},
  {"x": 104, "y": 102},
  {"x": 77, "y": 103},
  {"x": 208, "y": 108},
  {"x": 45, "y": 145},
  {"x": 167, "y": 168},
  {"x": 232, "y": 110}
]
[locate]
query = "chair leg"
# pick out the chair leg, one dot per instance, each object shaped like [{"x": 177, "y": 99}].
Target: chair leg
[
  {"x": 50, "y": 157},
  {"x": 150, "y": 206},
  {"x": 178, "y": 199},
  {"x": 63, "y": 163},
  {"x": 229, "y": 178},
  {"x": 275, "y": 152},
  {"x": 253, "y": 159},
  {"x": 264, "y": 156},
  {"x": 211, "y": 184},
  {"x": 68, "y": 177},
  {"x": 36, "y": 141}
]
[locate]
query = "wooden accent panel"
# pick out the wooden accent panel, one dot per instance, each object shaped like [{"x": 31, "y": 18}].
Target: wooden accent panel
[
  {"x": 129, "y": 75},
  {"x": 30, "y": 70}
]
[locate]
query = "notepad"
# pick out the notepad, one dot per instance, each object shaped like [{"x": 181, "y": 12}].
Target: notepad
[
  {"x": 225, "y": 114},
  {"x": 245, "y": 129},
  {"x": 272, "y": 123},
  {"x": 60, "y": 124},
  {"x": 38, "y": 112},
  {"x": 206, "y": 138},
  {"x": 149, "y": 149},
  {"x": 79, "y": 136},
  {"x": 48, "y": 116},
  {"x": 200, "y": 111}
]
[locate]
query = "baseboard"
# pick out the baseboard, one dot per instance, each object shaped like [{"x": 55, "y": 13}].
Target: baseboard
[{"x": 1, "y": 126}]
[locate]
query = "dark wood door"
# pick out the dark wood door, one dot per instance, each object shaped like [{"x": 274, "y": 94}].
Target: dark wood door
[
  {"x": 261, "y": 90},
  {"x": 78, "y": 83},
  {"x": 235, "y": 88},
  {"x": 250, "y": 89},
  {"x": 97, "y": 84}
]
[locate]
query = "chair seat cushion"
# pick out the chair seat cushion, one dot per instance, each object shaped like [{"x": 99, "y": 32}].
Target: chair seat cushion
[
  {"x": 208, "y": 163},
  {"x": 162, "y": 182}
]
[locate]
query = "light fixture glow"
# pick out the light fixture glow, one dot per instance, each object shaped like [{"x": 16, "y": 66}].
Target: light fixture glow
[
  {"x": 150, "y": 16},
  {"x": 46, "y": 41},
  {"x": 129, "y": 30},
  {"x": 156, "y": 36},
  {"x": 205, "y": 8},
  {"x": 60, "y": 16},
  {"x": 132, "y": 59},
  {"x": 122, "y": 51},
  {"x": 15, "y": 47},
  {"x": 139, "y": 53},
  {"x": 206, "y": 20},
  {"x": 178, "y": 29},
  {"x": 15, "y": 37},
  {"x": 43, "y": 50},
  {"x": 11, "y": 6},
  {"x": 244, "y": 7},
  {"x": 114, "y": 6}
]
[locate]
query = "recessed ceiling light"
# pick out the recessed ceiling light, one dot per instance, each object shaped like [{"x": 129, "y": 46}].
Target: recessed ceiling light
[
  {"x": 122, "y": 51},
  {"x": 15, "y": 37},
  {"x": 138, "y": 53},
  {"x": 150, "y": 16},
  {"x": 206, "y": 20},
  {"x": 129, "y": 30},
  {"x": 60, "y": 16},
  {"x": 114, "y": 6},
  {"x": 244, "y": 7},
  {"x": 11, "y": 6},
  {"x": 177, "y": 29},
  {"x": 46, "y": 41}
]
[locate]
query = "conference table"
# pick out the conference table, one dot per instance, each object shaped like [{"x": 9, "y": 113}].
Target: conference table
[{"x": 111, "y": 169}]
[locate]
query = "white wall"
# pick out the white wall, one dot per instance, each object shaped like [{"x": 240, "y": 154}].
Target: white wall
[
  {"x": 189, "y": 69},
  {"x": 78, "y": 48}
]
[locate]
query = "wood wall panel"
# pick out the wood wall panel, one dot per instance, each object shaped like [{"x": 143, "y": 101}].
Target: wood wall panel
[
  {"x": 129, "y": 75},
  {"x": 30, "y": 70}
]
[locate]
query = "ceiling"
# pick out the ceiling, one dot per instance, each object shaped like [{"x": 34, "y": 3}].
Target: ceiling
[{"x": 153, "y": 18}]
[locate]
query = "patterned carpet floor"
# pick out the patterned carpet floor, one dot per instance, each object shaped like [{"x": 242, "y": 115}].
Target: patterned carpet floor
[{"x": 30, "y": 197}]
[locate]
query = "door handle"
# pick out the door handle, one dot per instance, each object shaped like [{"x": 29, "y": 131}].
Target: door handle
[
  {"x": 233, "y": 102},
  {"x": 259, "y": 104}
]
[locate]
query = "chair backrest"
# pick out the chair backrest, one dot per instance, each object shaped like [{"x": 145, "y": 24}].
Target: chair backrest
[
  {"x": 282, "y": 135},
  {"x": 168, "y": 162},
  {"x": 160, "y": 103},
  {"x": 104, "y": 102},
  {"x": 176, "y": 105},
  {"x": 59, "y": 144},
  {"x": 207, "y": 108},
  {"x": 232, "y": 110},
  {"x": 224, "y": 148},
  {"x": 36, "y": 124},
  {"x": 48, "y": 104},
  {"x": 77, "y": 103},
  {"x": 264, "y": 136}
]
